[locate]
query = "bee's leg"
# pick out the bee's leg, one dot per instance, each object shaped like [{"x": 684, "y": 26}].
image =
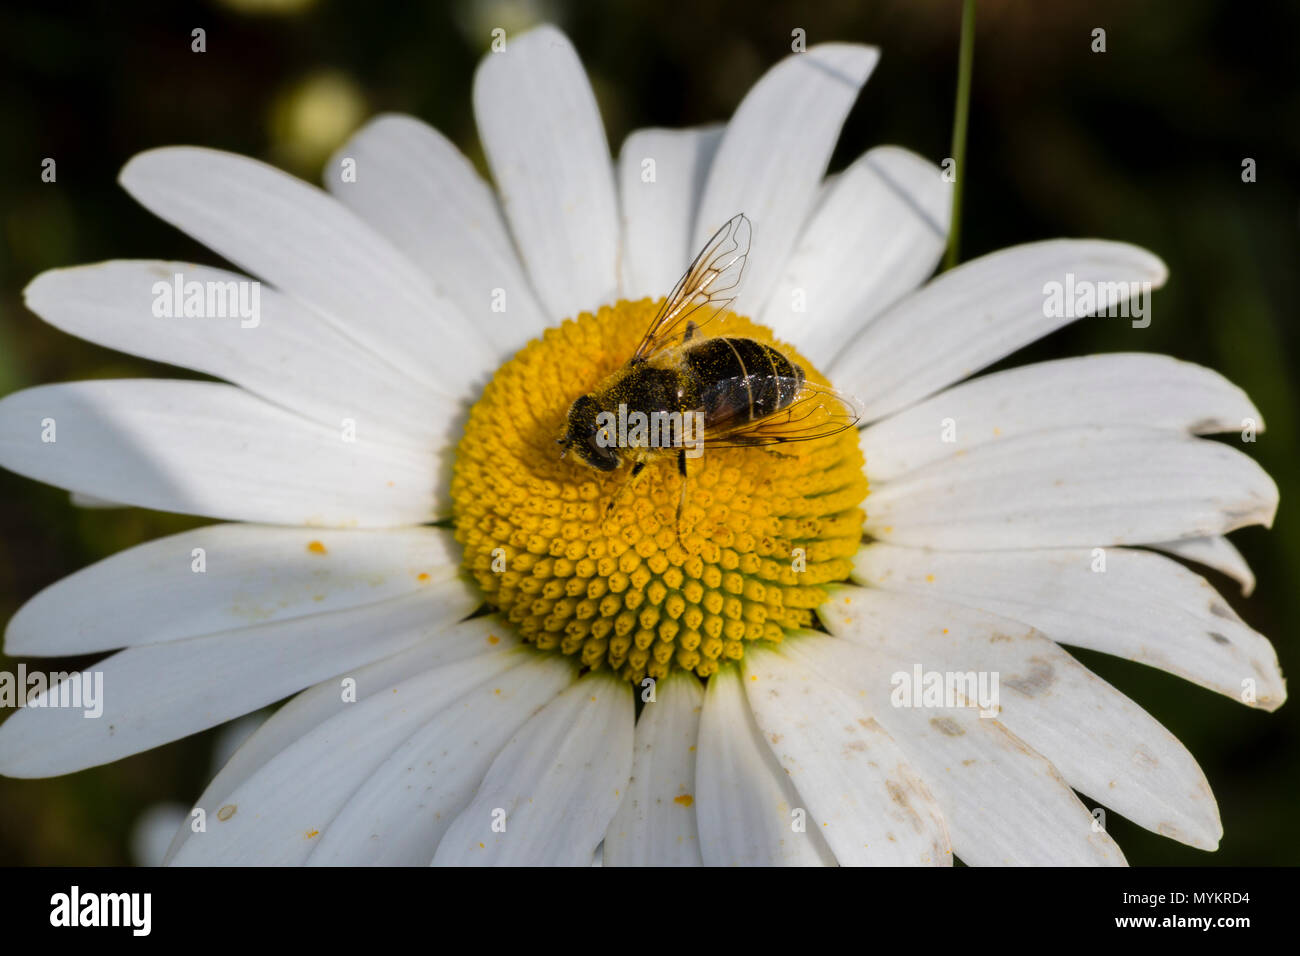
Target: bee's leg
[
  {"x": 691, "y": 329},
  {"x": 637, "y": 468},
  {"x": 681, "y": 502}
]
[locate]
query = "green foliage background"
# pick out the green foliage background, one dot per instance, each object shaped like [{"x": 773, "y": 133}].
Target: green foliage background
[{"x": 1143, "y": 143}]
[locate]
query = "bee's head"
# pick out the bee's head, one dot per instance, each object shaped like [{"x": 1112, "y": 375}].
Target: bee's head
[{"x": 589, "y": 440}]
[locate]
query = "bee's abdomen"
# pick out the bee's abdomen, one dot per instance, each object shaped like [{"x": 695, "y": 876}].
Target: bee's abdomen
[{"x": 741, "y": 379}]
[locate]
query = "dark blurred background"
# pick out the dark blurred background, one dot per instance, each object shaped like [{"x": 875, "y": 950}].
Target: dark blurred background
[{"x": 1142, "y": 143}]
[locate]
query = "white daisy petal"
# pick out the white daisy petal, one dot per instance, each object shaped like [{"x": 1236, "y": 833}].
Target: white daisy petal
[
  {"x": 854, "y": 782},
  {"x": 401, "y": 810},
  {"x": 291, "y": 357},
  {"x": 162, "y": 692},
  {"x": 1120, "y": 389},
  {"x": 249, "y": 575},
  {"x": 550, "y": 794},
  {"x": 209, "y": 449},
  {"x": 774, "y": 152},
  {"x": 1005, "y": 805},
  {"x": 1104, "y": 745},
  {"x": 661, "y": 176},
  {"x": 544, "y": 139},
  {"x": 325, "y": 700},
  {"x": 313, "y": 248},
  {"x": 1140, "y": 606},
  {"x": 977, "y": 313},
  {"x": 414, "y": 186},
  {"x": 279, "y": 813},
  {"x": 876, "y": 234},
  {"x": 1079, "y": 486},
  {"x": 1215, "y": 552},
  {"x": 655, "y": 824},
  {"x": 745, "y": 801}
]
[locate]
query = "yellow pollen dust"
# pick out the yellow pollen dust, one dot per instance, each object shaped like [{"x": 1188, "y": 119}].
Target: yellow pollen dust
[{"x": 762, "y": 530}]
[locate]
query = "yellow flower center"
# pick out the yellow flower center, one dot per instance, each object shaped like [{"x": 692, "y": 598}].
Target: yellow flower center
[{"x": 586, "y": 564}]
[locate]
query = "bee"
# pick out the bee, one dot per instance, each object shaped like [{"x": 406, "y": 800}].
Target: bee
[{"x": 720, "y": 392}]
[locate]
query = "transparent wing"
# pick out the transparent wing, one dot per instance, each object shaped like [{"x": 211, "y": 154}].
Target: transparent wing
[
  {"x": 816, "y": 412},
  {"x": 707, "y": 288}
]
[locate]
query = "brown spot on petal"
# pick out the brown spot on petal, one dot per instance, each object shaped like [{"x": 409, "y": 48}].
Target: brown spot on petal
[
  {"x": 1039, "y": 679},
  {"x": 1145, "y": 758},
  {"x": 900, "y": 796},
  {"x": 946, "y": 725}
]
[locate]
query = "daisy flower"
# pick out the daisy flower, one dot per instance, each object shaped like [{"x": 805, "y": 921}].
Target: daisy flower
[{"x": 491, "y": 663}]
